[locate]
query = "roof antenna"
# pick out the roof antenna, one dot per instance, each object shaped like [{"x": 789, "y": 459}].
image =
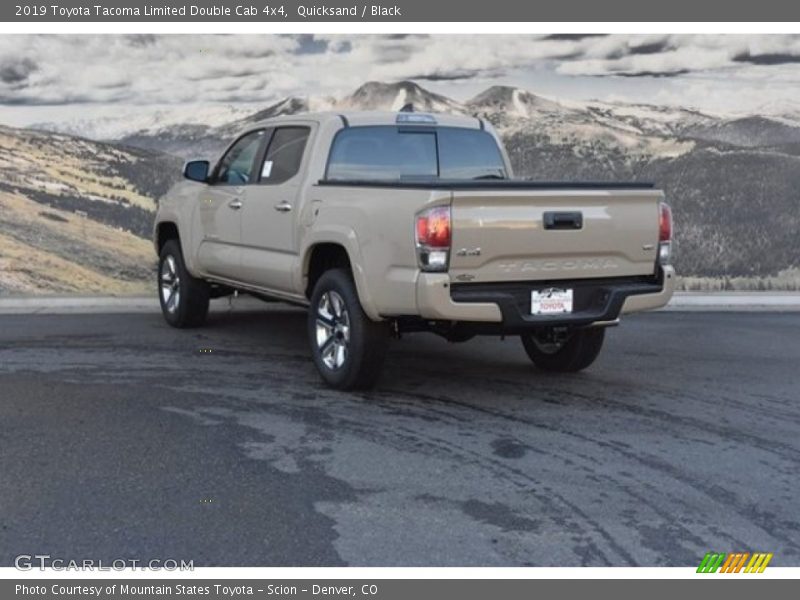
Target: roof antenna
[{"x": 407, "y": 107}]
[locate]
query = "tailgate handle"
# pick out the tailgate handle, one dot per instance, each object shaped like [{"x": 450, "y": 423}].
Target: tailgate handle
[{"x": 563, "y": 220}]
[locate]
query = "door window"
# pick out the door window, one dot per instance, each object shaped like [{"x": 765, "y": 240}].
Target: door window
[
  {"x": 285, "y": 154},
  {"x": 236, "y": 167}
]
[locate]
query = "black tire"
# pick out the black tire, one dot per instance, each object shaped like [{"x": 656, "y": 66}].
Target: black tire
[
  {"x": 190, "y": 306},
  {"x": 575, "y": 353},
  {"x": 330, "y": 329}
]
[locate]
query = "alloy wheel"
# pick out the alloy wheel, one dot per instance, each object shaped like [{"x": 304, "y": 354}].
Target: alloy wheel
[
  {"x": 332, "y": 330},
  {"x": 170, "y": 284}
]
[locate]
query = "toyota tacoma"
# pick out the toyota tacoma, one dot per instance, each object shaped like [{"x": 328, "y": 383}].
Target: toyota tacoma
[{"x": 382, "y": 223}]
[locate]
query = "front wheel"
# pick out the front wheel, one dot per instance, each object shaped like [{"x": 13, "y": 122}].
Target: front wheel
[
  {"x": 184, "y": 299},
  {"x": 562, "y": 351},
  {"x": 348, "y": 347}
]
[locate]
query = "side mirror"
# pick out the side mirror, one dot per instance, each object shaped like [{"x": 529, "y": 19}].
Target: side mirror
[{"x": 196, "y": 170}]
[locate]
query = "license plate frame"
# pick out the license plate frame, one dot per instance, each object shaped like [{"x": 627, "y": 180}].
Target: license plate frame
[{"x": 552, "y": 301}]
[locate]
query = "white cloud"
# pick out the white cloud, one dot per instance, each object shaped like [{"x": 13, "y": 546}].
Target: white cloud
[{"x": 181, "y": 69}]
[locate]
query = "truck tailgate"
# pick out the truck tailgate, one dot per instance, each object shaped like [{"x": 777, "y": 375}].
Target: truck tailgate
[{"x": 510, "y": 235}]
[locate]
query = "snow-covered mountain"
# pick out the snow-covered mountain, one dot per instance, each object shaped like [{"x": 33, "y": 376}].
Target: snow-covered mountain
[
  {"x": 375, "y": 95},
  {"x": 753, "y": 131},
  {"x": 288, "y": 106},
  {"x": 514, "y": 103},
  {"x": 129, "y": 120},
  {"x": 651, "y": 119}
]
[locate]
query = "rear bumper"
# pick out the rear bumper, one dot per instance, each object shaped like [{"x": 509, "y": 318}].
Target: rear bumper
[
  {"x": 508, "y": 304},
  {"x": 641, "y": 302}
]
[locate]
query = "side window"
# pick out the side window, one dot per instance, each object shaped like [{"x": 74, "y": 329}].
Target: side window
[
  {"x": 285, "y": 154},
  {"x": 236, "y": 166}
]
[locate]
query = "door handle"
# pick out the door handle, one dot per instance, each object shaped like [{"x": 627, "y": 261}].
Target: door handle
[
  {"x": 235, "y": 204},
  {"x": 283, "y": 207}
]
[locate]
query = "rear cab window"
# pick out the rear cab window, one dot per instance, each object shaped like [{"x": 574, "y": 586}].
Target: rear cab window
[{"x": 390, "y": 153}]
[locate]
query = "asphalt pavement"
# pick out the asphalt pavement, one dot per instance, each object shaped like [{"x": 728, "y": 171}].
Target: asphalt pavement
[{"x": 123, "y": 438}]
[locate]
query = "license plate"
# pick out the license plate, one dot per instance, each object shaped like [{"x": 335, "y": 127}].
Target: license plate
[{"x": 551, "y": 302}]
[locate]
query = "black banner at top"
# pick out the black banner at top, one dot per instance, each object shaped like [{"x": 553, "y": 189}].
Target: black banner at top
[{"x": 278, "y": 11}]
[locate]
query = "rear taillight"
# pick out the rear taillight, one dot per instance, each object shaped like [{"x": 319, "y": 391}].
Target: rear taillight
[
  {"x": 664, "y": 233},
  {"x": 433, "y": 238}
]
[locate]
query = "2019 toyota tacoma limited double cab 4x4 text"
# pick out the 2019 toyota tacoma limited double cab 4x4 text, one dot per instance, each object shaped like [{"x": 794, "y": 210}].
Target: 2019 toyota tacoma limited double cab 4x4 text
[{"x": 383, "y": 223}]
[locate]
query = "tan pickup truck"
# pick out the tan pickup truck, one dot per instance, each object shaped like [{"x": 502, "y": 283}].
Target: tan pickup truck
[{"x": 383, "y": 223}]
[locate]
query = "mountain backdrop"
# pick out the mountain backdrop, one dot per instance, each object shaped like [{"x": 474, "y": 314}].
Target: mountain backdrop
[{"x": 76, "y": 213}]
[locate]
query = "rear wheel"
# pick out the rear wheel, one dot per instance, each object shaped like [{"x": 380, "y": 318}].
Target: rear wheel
[
  {"x": 184, "y": 299},
  {"x": 558, "y": 350},
  {"x": 347, "y": 346}
]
